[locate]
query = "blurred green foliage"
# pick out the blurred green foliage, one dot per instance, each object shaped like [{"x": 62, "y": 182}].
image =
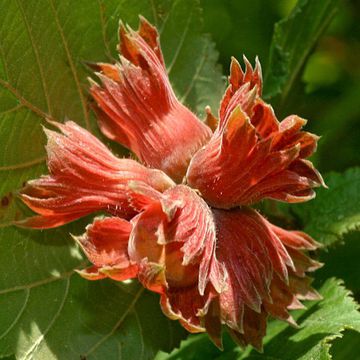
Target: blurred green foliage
[{"x": 328, "y": 93}]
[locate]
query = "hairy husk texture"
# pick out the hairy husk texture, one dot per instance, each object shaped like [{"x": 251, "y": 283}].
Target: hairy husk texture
[{"x": 179, "y": 219}]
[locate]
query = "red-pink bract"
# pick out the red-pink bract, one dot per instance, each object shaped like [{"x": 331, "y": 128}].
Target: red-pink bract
[{"x": 179, "y": 220}]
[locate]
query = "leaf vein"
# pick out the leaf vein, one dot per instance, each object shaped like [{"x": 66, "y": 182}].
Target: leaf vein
[
  {"x": 13, "y": 109},
  {"x": 141, "y": 332},
  {"x": 118, "y": 323},
  {"x": 103, "y": 30},
  {"x": 25, "y": 102},
  {"x": 23, "y": 165},
  {"x": 39, "y": 340},
  {"x": 37, "y": 55},
  {"x": 40, "y": 282},
  {"x": 71, "y": 63},
  {"x": 196, "y": 75},
  {"x": 27, "y": 292},
  {"x": 153, "y": 8},
  {"x": 181, "y": 43}
]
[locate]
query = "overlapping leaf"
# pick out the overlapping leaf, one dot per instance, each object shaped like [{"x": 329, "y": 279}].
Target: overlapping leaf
[
  {"x": 320, "y": 323},
  {"x": 336, "y": 210}
]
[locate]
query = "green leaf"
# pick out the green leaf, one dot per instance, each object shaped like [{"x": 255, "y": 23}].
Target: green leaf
[
  {"x": 293, "y": 39},
  {"x": 342, "y": 261},
  {"x": 320, "y": 324},
  {"x": 335, "y": 211},
  {"x": 48, "y": 311}
]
